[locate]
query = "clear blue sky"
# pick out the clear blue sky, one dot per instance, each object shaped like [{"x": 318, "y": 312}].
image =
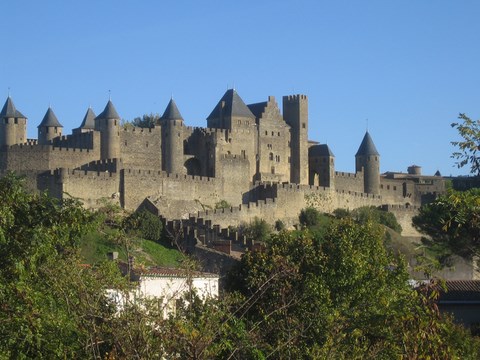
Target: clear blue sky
[{"x": 409, "y": 67}]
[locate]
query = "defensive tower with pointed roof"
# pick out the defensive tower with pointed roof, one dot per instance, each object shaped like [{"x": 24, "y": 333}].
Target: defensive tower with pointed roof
[
  {"x": 172, "y": 139},
  {"x": 367, "y": 160},
  {"x": 108, "y": 123},
  {"x": 13, "y": 125},
  {"x": 49, "y": 128}
]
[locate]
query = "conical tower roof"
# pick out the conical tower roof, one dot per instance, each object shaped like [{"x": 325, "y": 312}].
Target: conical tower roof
[
  {"x": 9, "y": 110},
  {"x": 109, "y": 112},
  {"x": 50, "y": 120},
  {"x": 171, "y": 112},
  {"x": 89, "y": 120},
  {"x": 231, "y": 104},
  {"x": 367, "y": 147}
]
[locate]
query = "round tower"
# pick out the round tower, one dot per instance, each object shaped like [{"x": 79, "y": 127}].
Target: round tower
[
  {"x": 367, "y": 160},
  {"x": 172, "y": 139},
  {"x": 321, "y": 166},
  {"x": 13, "y": 125},
  {"x": 49, "y": 128},
  {"x": 108, "y": 123}
]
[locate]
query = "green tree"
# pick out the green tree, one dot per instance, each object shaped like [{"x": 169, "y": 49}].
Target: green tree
[
  {"x": 52, "y": 306},
  {"x": 366, "y": 214},
  {"x": 452, "y": 222},
  {"x": 340, "y": 296},
  {"x": 309, "y": 217},
  {"x": 468, "y": 148},
  {"x": 258, "y": 230},
  {"x": 146, "y": 120}
]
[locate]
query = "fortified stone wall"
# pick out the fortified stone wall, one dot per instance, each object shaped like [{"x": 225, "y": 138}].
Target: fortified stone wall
[
  {"x": 349, "y": 181},
  {"x": 169, "y": 190},
  {"x": 404, "y": 215},
  {"x": 45, "y": 157},
  {"x": 84, "y": 140},
  {"x": 90, "y": 187},
  {"x": 141, "y": 148}
]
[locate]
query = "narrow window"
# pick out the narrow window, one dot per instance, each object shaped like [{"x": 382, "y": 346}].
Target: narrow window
[
  {"x": 303, "y": 125},
  {"x": 271, "y": 156}
]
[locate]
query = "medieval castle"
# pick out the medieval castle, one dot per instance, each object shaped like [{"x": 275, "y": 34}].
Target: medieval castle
[{"x": 254, "y": 157}]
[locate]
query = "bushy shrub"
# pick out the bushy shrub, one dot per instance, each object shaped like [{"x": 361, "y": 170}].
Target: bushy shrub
[
  {"x": 309, "y": 217},
  {"x": 149, "y": 226}
]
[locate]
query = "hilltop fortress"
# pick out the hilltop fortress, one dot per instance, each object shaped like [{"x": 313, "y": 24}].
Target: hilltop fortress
[{"x": 254, "y": 157}]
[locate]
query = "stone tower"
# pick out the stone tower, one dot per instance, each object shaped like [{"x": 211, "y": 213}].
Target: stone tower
[
  {"x": 295, "y": 114},
  {"x": 108, "y": 123},
  {"x": 172, "y": 139},
  {"x": 367, "y": 160},
  {"x": 49, "y": 128},
  {"x": 88, "y": 122},
  {"x": 13, "y": 125},
  {"x": 321, "y": 166}
]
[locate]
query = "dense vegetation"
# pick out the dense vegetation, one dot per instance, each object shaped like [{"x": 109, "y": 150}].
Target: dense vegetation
[{"x": 332, "y": 294}]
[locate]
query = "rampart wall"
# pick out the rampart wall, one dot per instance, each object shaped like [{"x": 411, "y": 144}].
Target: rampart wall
[
  {"x": 84, "y": 140},
  {"x": 45, "y": 157},
  {"x": 90, "y": 187},
  {"x": 349, "y": 181},
  {"x": 140, "y": 148}
]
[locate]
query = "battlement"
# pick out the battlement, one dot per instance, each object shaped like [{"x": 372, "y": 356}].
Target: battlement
[
  {"x": 164, "y": 174},
  {"x": 27, "y": 147},
  {"x": 32, "y": 142},
  {"x": 358, "y": 194},
  {"x": 235, "y": 209},
  {"x": 76, "y": 173},
  {"x": 140, "y": 130},
  {"x": 106, "y": 165},
  {"x": 341, "y": 174},
  {"x": 292, "y": 98}
]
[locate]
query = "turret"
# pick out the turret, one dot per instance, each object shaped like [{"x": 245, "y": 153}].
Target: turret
[
  {"x": 321, "y": 166},
  {"x": 108, "y": 123},
  {"x": 367, "y": 160},
  {"x": 88, "y": 122},
  {"x": 49, "y": 128},
  {"x": 172, "y": 139},
  {"x": 295, "y": 114},
  {"x": 230, "y": 112},
  {"x": 13, "y": 125}
]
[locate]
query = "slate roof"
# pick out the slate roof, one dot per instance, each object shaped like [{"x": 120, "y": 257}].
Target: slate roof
[
  {"x": 367, "y": 147},
  {"x": 109, "y": 112},
  {"x": 258, "y": 108},
  {"x": 320, "y": 150},
  {"x": 9, "y": 110},
  {"x": 171, "y": 112},
  {"x": 88, "y": 120},
  {"x": 232, "y": 105},
  {"x": 50, "y": 120},
  {"x": 459, "y": 291}
]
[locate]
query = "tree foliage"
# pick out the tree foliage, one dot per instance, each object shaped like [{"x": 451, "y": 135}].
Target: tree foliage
[
  {"x": 366, "y": 214},
  {"x": 309, "y": 217},
  {"x": 468, "y": 148},
  {"x": 145, "y": 121},
  {"x": 340, "y": 296},
  {"x": 258, "y": 230},
  {"x": 453, "y": 223}
]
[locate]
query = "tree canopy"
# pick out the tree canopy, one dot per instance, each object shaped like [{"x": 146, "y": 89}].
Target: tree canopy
[{"x": 467, "y": 154}]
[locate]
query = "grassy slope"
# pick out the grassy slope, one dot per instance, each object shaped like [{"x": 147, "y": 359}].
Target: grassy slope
[{"x": 95, "y": 246}]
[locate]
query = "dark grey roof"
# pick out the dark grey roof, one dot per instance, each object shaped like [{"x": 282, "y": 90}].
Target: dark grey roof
[
  {"x": 9, "y": 110},
  {"x": 320, "y": 150},
  {"x": 258, "y": 108},
  {"x": 109, "y": 112},
  {"x": 438, "y": 173},
  {"x": 367, "y": 147},
  {"x": 459, "y": 291},
  {"x": 171, "y": 112},
  {"x": 50, "y": 120},
  {"x": 231, "y": 105},
  {"x": 88, "y": 120}
]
